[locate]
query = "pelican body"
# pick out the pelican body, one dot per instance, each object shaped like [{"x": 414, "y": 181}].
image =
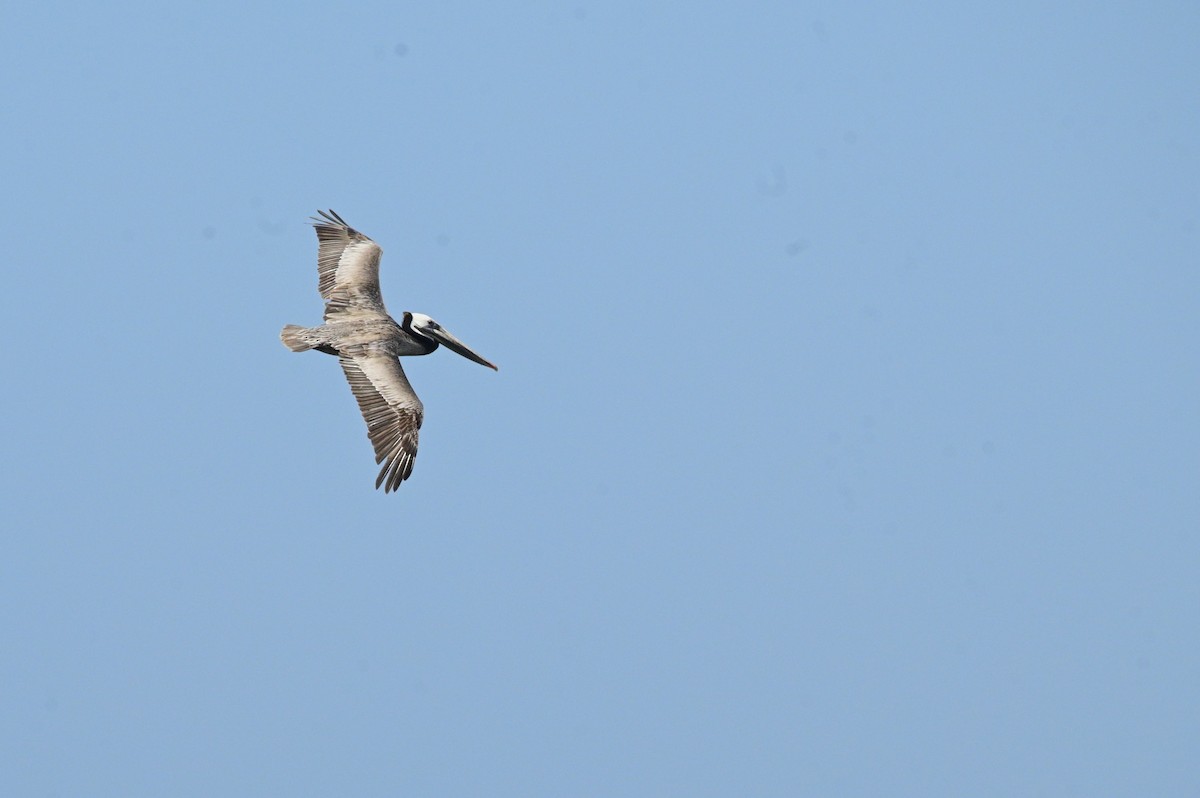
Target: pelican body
[{"x": 368, "y": 343}]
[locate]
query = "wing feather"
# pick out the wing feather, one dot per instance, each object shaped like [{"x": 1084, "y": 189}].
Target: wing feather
[
  {"x": 347, "y": 269},
  {"x": 392, "y": 411}
]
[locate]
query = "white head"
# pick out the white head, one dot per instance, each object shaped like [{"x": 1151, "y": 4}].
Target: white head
[{"x": 420, "y": 323}]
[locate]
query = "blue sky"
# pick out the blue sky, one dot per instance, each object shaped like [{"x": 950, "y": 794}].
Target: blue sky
[{"x": 844, "y": 441}]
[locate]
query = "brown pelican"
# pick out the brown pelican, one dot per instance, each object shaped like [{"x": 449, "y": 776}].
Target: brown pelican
[{"x": 367, "y": 342}]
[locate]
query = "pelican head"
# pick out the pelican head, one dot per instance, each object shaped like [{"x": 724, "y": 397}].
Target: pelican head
[{"x": 425, "y": 327}]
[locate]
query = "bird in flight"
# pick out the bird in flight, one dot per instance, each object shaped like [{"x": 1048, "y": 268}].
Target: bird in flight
[{"x": 368, "y": 343}]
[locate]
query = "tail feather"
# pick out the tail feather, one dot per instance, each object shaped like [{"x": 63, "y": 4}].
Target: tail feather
[{"x": 296, "y": 338}]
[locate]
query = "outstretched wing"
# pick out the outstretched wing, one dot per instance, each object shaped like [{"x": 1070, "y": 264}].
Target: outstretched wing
[
  {"x": 347, "y": 270},
  {"x": 392, "y": 411}
]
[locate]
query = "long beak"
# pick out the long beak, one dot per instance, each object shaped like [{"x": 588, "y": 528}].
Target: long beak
[{"x": 445, "y": 338}]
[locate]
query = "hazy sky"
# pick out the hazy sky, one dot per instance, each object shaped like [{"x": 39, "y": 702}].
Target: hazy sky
[{"x": 844, "y": 442}]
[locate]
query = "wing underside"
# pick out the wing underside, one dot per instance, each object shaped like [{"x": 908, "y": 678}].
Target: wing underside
[
  {"x": 347, "y": 269},
  {"x": 392, "y": 411}
]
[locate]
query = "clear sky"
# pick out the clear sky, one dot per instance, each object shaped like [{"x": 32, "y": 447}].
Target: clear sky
[{"x": 844, "y": 443}]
